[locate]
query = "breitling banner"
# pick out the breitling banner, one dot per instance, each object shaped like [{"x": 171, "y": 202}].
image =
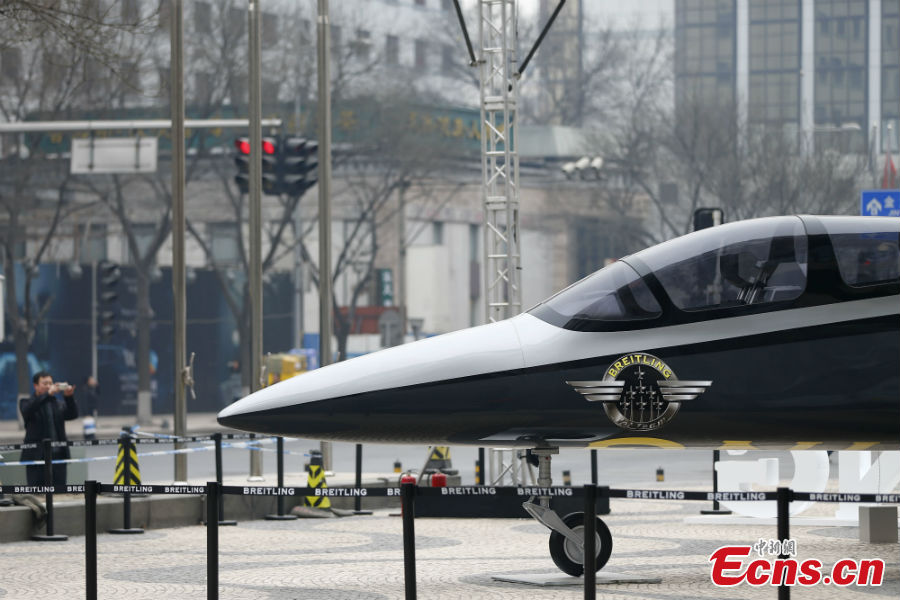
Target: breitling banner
[{"x": 457, "y": 492}]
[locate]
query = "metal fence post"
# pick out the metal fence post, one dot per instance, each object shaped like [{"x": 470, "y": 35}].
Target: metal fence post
[
  {"x": 213, "y": 492},
  {"x": 715, "y": 481},
  {"x": 47, "y": 446},
  {"x": 590, "y": 541},
  {"x": 408, "y": 503},
  {"x": 220, "y": 505},
  {"x": 279, "y": 501},
  {"x": 784, "y": 531},
  {"x": 90, "y": 539}
]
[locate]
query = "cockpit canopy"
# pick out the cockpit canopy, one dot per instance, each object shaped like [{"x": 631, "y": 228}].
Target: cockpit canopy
[{"x": 754, "y": 262}]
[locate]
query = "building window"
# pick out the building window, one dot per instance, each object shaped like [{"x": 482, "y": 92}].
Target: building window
[
  {"x": 202, "y": 17},
  {"x": 392, "y": 50},
  {"x": 421, "y": 54},
  {"x": 237, "y": 22},
  {"x": 52, "y": 70},
  {"x": 15, "y": 240},
  {"x": 269, "y": 30},
  {"x": 130, "y": 77},
  {"x": 269, "y": 90},
  {"x": 237, "y": 90},
  {"x": 164, "y": 12},
  {"x": 335, "y": 41},
  {"x": 10, "y": 63},
  {"x": 131, "y": 12},
  {"x": 165, "y": 80},
  {"x": 202, "y": 85},
  {"x": 447, "y": 53},
  {"x": 93, "y": 243},
  {"x": 840, "y": 48},
  {"x": 144, "y": 234},
  {"x": 362, "y": 47},
  {"x": 705, "y": 51},
  {"x": 223, "y": 243},
  {"x": 437, "y": 233}
]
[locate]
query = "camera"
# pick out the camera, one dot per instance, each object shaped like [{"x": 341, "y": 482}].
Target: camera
[{"x": 63, "y": 387}]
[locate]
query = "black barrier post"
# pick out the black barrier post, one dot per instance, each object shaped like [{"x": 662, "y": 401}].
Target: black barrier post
[
  {"x": 47, "y": 446},
  {"x": 479, "y": 471},
  {"x": 220, "y": 505},
  {"x": 90, "y": 539},
  {"x": 590, "y": 542},
  {"x": 280, "y": 500},
  {"x": 784, "y": 532},
  {"x": 125, "y": 444},
  {"x": 594, "y": 466},
  {"x": 357, "y": 502},
  {"x": 715, "y": 477},
  {"x": 408, "y": 504},
  {"x": 213, "y": 492}
]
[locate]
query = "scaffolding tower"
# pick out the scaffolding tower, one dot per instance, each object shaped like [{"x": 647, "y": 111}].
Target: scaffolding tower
[
  {"x": 500, "y": 187},
  {"x": 499, "y": 159}
]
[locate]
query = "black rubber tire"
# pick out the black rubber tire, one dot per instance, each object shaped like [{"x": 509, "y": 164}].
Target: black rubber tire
[{"x": 568, "y": 557}]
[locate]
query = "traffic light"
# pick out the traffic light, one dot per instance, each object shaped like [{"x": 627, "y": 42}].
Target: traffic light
[
  {"x": 298, "y": 161},
  {"x": 242, "y": 160},
  {"x": 270, "y": 161},
  {"x": 107, "y": 298}
]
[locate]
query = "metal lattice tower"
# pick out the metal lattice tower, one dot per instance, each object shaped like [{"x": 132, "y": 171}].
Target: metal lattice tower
[
  {"x": 500, "y": 186},
  {"x": 499, "y": 159}
]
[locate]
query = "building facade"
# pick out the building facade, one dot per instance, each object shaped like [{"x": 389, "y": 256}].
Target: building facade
[{"x": 825, "y": 71}]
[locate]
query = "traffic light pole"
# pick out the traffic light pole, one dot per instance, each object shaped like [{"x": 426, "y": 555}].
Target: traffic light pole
[
  {"x": 255, "y": 201},
  {"x": 178, "y": 232},
  {"x": 94, "y": 335},
  {"x": 326, "y": 318}
]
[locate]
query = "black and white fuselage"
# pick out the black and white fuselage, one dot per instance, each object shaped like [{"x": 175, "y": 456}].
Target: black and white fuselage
[{"x": 775, "y": 341}]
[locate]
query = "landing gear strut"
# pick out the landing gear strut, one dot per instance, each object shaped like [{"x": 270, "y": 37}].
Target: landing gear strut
[{"x": 567, "y": 533}]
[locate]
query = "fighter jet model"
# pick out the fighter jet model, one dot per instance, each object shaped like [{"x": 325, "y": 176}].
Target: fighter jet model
[{"x": 773, "y": 333}]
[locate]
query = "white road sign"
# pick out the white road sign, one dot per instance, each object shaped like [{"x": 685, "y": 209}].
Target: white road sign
[{"x": 114, "y": 155}]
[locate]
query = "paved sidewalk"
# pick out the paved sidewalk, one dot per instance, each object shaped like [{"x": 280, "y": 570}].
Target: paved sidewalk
[{"x": 362, "y": 558}]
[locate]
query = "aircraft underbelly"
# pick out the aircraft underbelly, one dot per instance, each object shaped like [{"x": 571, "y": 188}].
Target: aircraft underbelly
[{"x": 828, "y": 386}]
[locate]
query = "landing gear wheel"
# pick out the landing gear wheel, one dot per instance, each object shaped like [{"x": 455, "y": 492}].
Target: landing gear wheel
[{"x": 568, "y": 556}]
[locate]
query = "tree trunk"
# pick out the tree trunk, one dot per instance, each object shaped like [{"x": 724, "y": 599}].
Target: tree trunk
[{"x": 144, "y": 313}]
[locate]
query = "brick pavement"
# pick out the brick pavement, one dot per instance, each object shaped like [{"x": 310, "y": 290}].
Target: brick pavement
[{"x": 361, "y": 558}]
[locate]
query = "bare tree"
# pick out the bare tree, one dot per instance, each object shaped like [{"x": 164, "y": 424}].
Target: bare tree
[{"x": 46, "y": 49}]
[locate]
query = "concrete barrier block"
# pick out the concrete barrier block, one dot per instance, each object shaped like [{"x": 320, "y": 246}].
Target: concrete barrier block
[{"x": 878, "y": 524}]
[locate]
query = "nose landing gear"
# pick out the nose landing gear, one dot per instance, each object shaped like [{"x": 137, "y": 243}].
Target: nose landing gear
[{"x": 567, "y": 533}]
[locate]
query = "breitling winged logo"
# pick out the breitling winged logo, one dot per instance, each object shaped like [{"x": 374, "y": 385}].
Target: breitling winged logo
[{"x": 640, "y": 392}]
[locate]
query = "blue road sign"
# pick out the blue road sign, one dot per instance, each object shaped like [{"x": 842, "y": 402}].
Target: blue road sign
[{"x": 879, "y": 203}]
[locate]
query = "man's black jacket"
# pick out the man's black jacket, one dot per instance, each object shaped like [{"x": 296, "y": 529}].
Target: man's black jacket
[{"x": 32, "y": 412}]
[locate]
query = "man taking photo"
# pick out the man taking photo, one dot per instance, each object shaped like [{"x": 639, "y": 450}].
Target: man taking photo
[{"x": 45, "y": 415}]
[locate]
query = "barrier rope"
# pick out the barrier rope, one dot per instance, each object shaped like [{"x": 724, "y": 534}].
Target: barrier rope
[
  {"x": 525, "y": 492},
  {"x": 156, "y": 438},
  {"x": 253, "y": 446}
]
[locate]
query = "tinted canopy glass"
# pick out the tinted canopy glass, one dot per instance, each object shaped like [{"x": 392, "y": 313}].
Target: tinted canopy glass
[
  {"x": 866, "y": 248},
  {"x": 614, "y": 293},
  {"x": 748, "y": 262}
]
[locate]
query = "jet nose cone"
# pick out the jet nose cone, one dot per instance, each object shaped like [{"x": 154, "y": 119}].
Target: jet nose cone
[{"x": 346, "y": 400}]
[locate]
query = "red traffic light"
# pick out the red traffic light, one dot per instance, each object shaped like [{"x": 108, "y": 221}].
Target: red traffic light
[{"x": 243, "y": 145}]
